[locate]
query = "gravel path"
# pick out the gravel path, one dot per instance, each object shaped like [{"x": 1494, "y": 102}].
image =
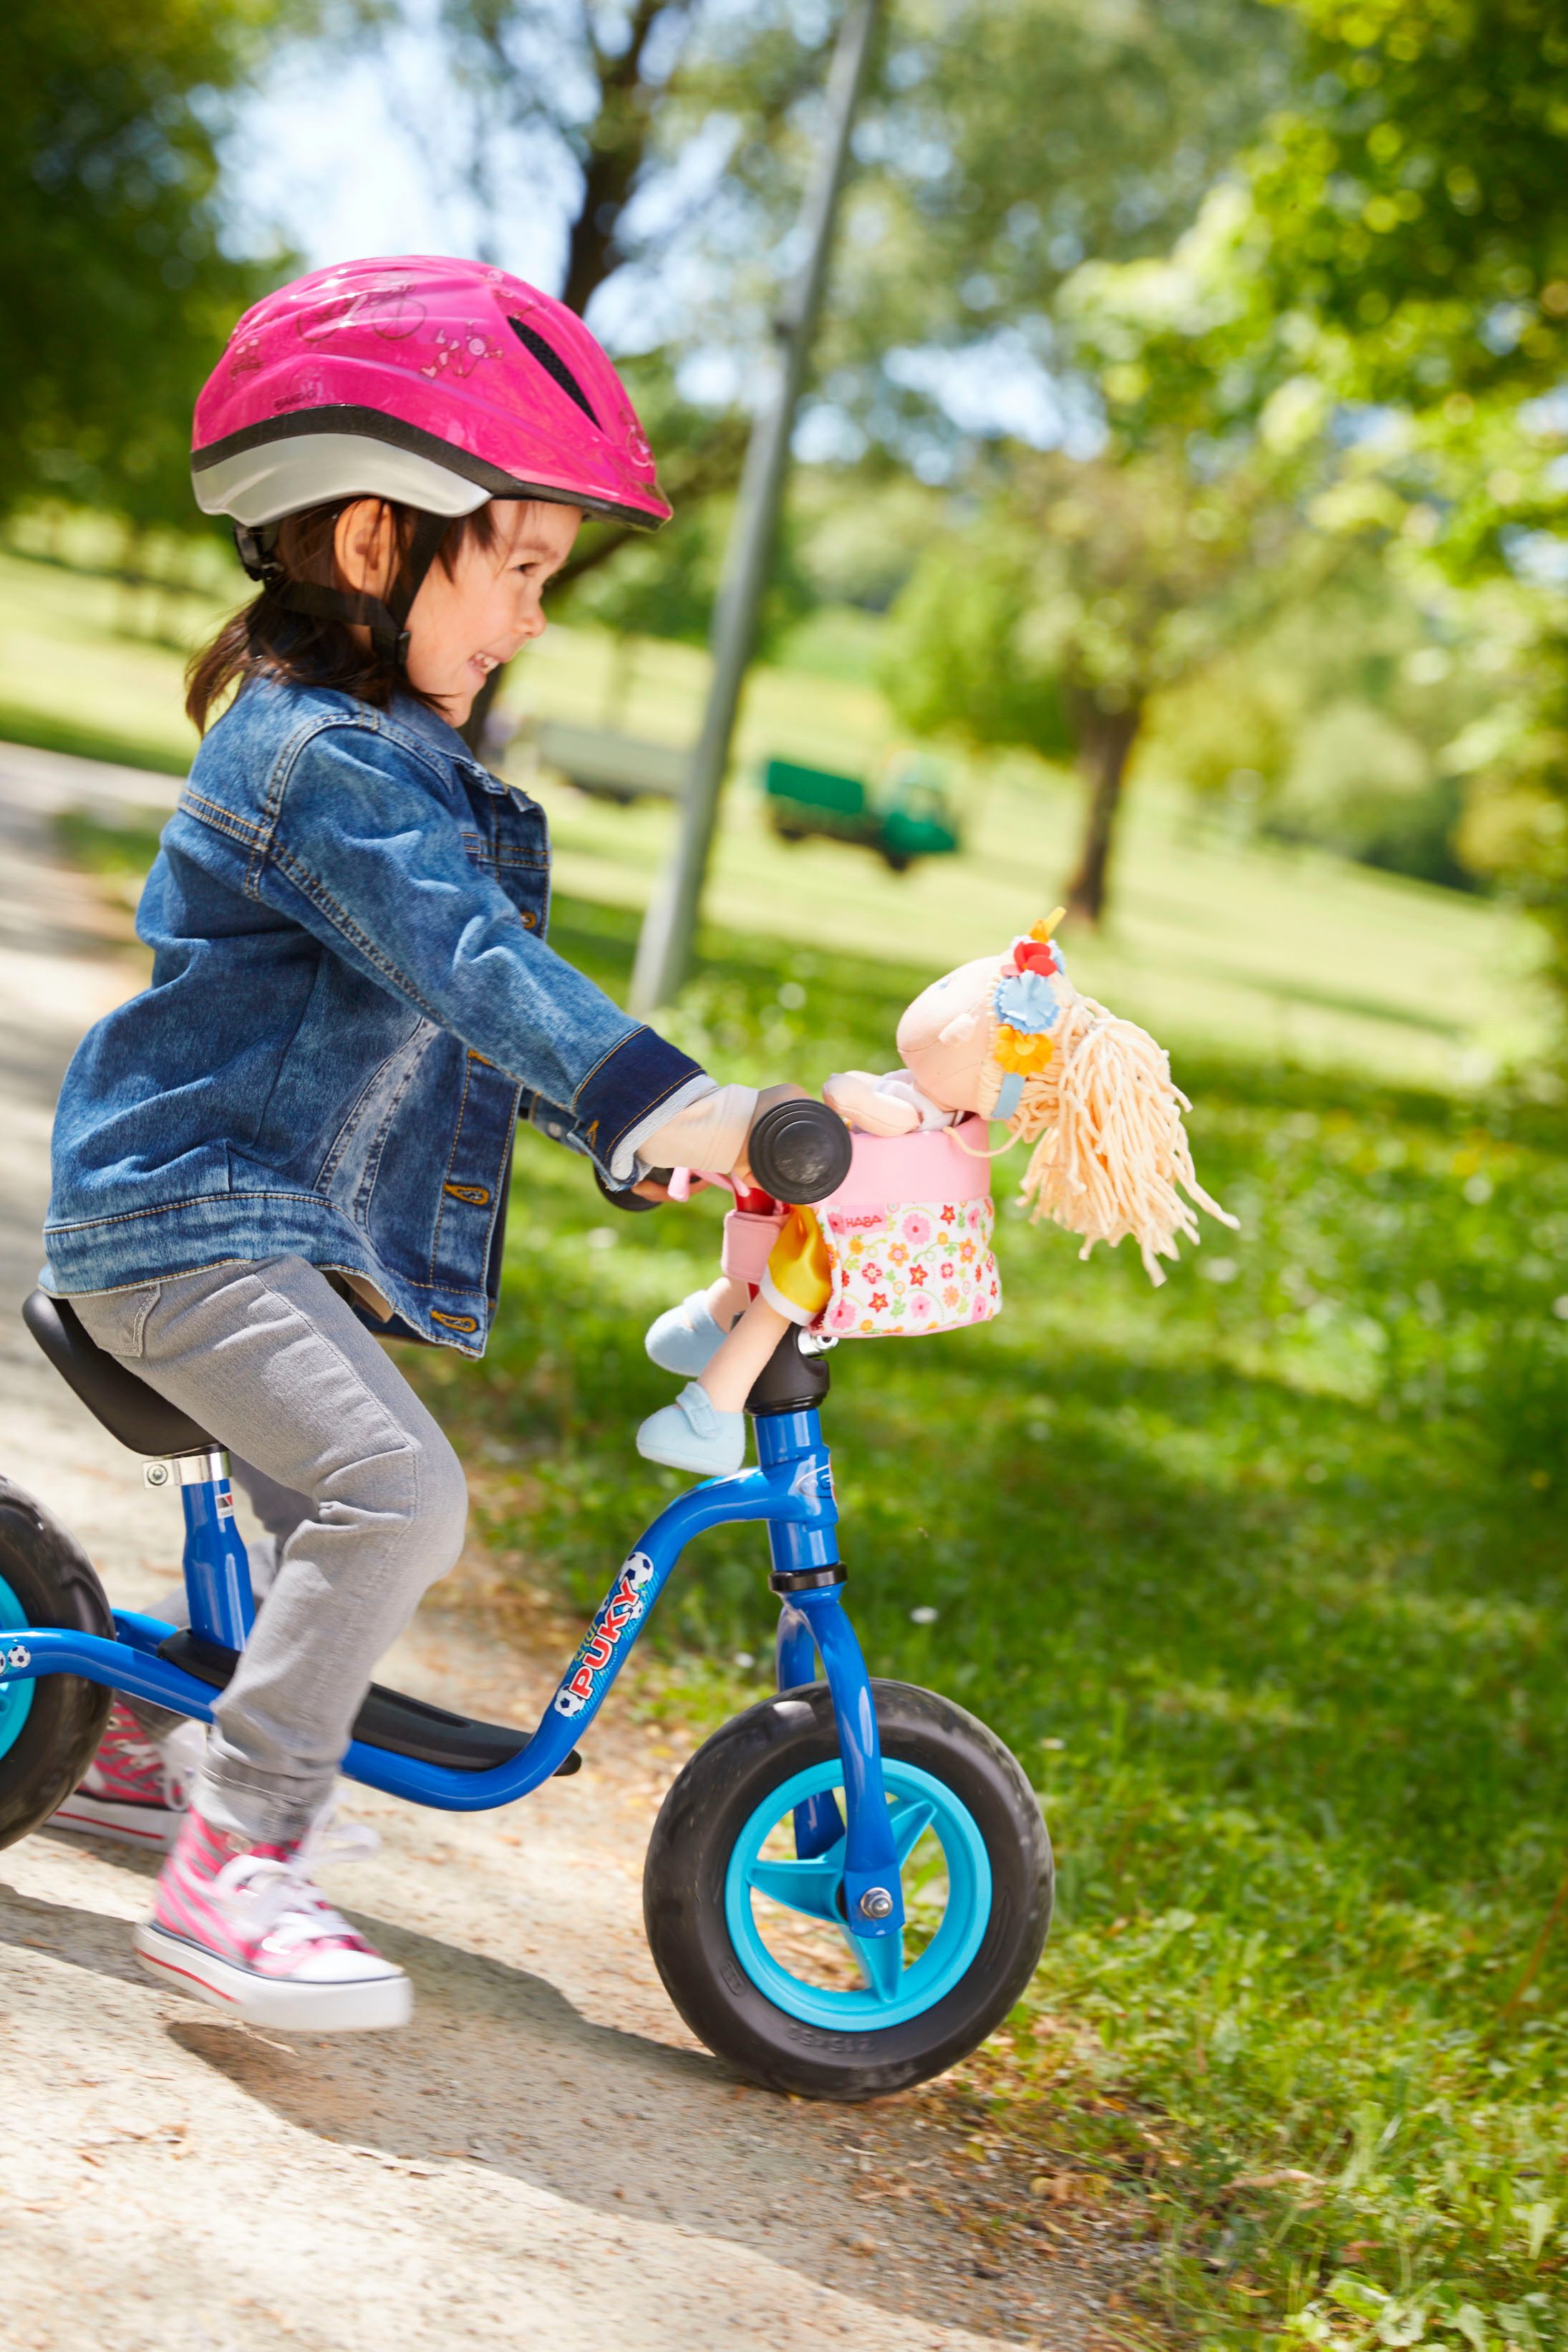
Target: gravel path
[{"x": 544, "y": 2157}]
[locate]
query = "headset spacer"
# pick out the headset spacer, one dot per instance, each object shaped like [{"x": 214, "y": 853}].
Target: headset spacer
[{"x": 808, "y": 1580}]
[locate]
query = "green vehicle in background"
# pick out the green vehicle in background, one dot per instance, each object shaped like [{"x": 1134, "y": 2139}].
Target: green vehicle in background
[{"x": 906, "y": 814}]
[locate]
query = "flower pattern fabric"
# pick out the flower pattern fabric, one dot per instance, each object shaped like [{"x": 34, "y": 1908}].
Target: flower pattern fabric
[{"x": 912, "y": 1267}]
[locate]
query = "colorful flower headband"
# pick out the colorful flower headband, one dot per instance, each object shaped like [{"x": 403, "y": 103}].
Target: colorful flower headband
[{"x": 1031, "y": 995}]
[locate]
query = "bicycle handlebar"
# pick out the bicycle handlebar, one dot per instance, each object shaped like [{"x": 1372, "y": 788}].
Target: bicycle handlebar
[{"x": 797, "y": 1152}]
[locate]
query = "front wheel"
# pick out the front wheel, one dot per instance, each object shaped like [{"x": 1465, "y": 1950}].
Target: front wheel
[{"x": 749, "y": 1935}]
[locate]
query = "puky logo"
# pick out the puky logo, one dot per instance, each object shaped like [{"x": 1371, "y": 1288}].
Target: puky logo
[
  {"x": 813, "y": 1480},
  {"x": 624, "y": 1607}
]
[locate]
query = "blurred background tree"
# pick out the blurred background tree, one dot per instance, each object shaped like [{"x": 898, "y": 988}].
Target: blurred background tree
[
  {"x": 1081, "y": 591},
  {"x": 115, "y": 288},
  {"x": 1104, "y": 276}
]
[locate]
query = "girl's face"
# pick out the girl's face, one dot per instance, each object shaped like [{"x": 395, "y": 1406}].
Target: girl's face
[{"x": 467, "y": 623}]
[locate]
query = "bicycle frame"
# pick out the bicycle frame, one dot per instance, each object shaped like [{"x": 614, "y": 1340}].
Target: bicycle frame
[{"x": 791, "y": 1493}]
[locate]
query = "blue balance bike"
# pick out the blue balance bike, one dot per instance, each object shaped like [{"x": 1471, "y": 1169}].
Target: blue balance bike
[{"x": 848, "y": 1886}]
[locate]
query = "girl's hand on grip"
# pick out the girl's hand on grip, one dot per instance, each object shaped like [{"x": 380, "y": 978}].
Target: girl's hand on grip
[{"x": 740, "y": 1173}]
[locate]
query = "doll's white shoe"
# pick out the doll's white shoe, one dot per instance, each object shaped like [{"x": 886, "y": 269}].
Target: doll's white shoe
[
  {"x": 684, "y": 1339},
  {"x": 693, "y": 1435}
]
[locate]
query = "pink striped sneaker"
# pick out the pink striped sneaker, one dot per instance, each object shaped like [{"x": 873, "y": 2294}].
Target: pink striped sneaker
[
  {"x": 242, "y": 1925},
  {"x": 137, "y": 1790}
]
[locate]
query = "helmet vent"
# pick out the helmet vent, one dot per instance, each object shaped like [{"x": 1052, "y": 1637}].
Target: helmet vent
[{"x": 552, "y": 363}]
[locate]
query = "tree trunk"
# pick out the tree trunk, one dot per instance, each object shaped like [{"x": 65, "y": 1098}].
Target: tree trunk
[
  {"x": 1105, "y": 738},
  {"x": 618, "y": 144}
]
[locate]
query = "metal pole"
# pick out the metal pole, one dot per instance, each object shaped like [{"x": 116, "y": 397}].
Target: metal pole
[{"x": 664, "y": 948}]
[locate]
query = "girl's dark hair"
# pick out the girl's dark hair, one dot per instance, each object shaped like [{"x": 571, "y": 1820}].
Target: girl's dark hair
[{"x": 265, "y": 635}]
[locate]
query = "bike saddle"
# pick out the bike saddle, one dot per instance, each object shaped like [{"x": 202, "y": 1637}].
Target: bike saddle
[{"x": 128, "y": 1408}]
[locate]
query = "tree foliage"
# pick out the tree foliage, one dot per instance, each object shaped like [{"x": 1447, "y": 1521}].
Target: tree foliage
[
  {"x": 1417, "y": 196},
  {"x": 1007, "y": 142},
  {"x": 115, "y": 289},
  {"x": 1409, "y": 243},
  {"x": 1083, "y": 589}
]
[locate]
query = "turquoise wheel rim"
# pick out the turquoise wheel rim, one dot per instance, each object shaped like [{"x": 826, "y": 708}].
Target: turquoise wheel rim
[
  {"x": 919, "y": 1805},
  {"x": 15, "y": 1698}
]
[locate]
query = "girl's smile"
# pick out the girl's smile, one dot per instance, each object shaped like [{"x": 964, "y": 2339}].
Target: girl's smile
[{"x": 470, "y": 620}]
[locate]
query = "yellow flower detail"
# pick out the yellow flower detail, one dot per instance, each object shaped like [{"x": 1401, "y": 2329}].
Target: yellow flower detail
[{"x": 1021, "y": 1050}]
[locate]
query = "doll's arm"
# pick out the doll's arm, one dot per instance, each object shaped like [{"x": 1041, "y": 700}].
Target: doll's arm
[
  {"x": 856, "y": 1096},
  {"x": 894, "y": 1104}
]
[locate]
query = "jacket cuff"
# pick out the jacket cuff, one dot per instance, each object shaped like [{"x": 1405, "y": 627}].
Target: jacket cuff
[{"x": 637, "y": 1087}]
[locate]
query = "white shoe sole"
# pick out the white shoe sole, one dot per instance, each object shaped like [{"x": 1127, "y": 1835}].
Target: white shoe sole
[
  {"x": 144, "y": 1826},
  {"x": 368, "y": 2005}
]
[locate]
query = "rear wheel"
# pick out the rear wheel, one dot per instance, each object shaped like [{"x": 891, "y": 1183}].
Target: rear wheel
[
  {"x": 749, "y": 1932},
  {"x": 49, "y": 1727}
]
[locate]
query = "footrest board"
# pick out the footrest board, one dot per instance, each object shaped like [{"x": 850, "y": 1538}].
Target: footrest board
[{"x": 388, "y": 1720}]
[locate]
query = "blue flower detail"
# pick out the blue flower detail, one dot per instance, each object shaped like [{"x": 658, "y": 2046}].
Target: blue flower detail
[{"x": 1030, "y": 1002}]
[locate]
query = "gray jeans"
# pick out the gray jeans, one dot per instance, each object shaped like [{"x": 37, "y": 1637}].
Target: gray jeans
[{"x": 361, "y": 1495}]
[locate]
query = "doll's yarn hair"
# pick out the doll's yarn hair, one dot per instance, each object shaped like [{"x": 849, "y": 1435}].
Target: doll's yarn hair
[{"x": 1111, "y": 1157}]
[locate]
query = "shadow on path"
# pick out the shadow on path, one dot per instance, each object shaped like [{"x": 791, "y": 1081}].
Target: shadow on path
[{"x": 497, "y": 2061}]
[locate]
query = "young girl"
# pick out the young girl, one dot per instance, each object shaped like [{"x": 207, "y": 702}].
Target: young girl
[{"x": 300, "y": 1133}]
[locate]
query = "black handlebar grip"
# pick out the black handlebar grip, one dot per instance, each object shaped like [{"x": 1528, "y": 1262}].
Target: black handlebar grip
[
  {"x": 632, "y": 1200},
  {"x": 799, "y": 1152}
]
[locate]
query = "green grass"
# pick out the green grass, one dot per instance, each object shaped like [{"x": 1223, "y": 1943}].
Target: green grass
[
  {"x": 1262, "y": 1575},
  {"x": 1213, "y": 944}
]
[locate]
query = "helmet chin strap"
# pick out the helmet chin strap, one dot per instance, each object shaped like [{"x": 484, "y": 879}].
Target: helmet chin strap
[{"x": 256, "y": 545}]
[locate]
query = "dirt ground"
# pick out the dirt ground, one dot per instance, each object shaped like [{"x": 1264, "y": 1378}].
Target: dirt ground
[{"x": 545, "y": 2155}]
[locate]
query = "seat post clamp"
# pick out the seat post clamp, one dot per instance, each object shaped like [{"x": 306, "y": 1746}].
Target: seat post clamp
[{"x": 201, "y": 1469}]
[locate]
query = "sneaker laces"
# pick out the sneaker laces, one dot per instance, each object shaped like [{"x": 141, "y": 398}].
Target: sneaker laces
[
  {"x": 180, "y": 1754},
  {"x": 174, "y": 1760},
  {"x": 273, "y": 1898}
]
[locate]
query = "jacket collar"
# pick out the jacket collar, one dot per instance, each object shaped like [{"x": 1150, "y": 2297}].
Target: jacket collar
[{"x": 416, "y": 719}]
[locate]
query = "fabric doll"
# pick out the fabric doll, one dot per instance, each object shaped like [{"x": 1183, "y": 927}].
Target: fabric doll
[{"x": 1003, "y": 1038}]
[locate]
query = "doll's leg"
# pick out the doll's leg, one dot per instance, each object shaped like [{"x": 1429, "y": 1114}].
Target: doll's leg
[
  {"x": 727, "y": 1300},
  {"x": 735, "y": 1370},
  {"x": 705, "y": 1428},
  {"x": 684, "y": 1338}
]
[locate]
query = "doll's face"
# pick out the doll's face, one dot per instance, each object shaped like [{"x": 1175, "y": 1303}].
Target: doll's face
[{"x": 943, "y": 1036}]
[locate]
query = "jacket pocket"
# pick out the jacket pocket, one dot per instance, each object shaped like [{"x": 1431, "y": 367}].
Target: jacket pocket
[{"x": 347, "y": 1175}]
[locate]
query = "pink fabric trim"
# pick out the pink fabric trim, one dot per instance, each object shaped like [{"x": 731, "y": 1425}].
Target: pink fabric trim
[
  {"x": 748, "y": 1238},
  {"x": 932, "y": 1165}
]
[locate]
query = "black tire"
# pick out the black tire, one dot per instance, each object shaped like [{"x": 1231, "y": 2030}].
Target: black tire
[
  {"x": 53, "y": 1578},
  {"x": 705, "y": 1813}
]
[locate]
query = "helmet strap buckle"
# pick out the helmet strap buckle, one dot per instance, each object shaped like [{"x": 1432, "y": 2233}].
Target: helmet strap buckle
[
  {"x": 387, "y": 622},
  {"x": 255, "y": 546}
]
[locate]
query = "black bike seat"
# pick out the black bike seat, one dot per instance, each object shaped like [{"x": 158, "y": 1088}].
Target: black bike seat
[{"x": 128, "y": 1408}]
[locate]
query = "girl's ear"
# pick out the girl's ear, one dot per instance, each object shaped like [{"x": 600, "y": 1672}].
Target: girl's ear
[{"x": 363, "y": 546}]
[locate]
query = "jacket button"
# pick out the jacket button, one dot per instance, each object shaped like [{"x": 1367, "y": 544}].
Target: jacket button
[
  {"x": 554, "y": 1127},
  {"x": 529, "y": 921}
]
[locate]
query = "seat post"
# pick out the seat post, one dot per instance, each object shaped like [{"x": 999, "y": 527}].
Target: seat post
[{"x": 218, "y": 1566}]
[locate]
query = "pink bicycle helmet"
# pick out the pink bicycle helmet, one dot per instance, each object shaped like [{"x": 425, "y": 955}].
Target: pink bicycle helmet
[{"x": 437, "y": 384}]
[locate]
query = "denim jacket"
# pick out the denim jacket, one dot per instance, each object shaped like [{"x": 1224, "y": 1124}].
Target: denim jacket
[{"x": 351, "y": 1005}]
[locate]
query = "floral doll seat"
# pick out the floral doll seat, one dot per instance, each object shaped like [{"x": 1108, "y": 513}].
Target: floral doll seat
[{"x": 906, "y": 1236}]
